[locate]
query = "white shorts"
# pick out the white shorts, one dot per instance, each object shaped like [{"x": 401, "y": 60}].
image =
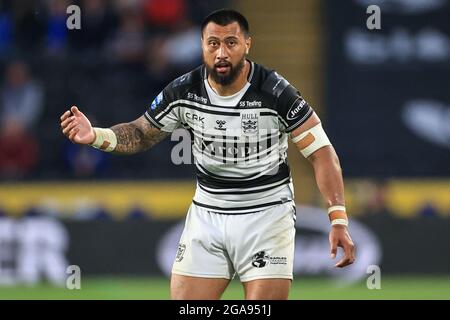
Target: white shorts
[{"x": 257, "y": 245}]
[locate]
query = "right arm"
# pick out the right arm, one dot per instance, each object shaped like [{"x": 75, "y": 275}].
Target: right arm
[
  {"x": 137, "y": 136},
  {"x": 132, "y": 137}
]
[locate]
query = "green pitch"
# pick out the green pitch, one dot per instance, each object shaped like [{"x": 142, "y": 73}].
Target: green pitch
[{"x": 158, "y": 288}]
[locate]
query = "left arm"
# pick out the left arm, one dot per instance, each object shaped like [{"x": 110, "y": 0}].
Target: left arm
[{"x": 329, "y": 180}]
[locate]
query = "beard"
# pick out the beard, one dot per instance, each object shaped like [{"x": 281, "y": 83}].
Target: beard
[{"x": 228, "y": 78}]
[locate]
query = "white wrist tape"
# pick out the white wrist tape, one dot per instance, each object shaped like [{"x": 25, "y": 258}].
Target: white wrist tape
[
  {"x": 336, "y": 208},
  {"x": 105, "y": 139},
  {"x": 312, "y": 140},
  {"x": 338, "y": 215},
  {"x": 343, "y": 222}
]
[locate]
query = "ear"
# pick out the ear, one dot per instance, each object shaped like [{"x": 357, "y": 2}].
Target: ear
[{"x": 248, "y": 44}]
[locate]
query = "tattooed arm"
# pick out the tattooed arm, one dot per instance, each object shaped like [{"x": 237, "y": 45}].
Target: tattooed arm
[
  {"x": 125, "y": 138},
  {"x": 137, "y": 136}
]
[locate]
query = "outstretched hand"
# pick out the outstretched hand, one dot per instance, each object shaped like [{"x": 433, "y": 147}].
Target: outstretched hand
[
  {"x": 76, "y": 126},
  {"x": 339, "y": 237}
]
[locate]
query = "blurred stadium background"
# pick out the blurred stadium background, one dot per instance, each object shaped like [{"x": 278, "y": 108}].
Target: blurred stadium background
[{"x": 383, "y": 95}]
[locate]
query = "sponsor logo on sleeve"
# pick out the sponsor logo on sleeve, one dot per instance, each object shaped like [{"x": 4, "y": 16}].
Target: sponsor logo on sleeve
[
  {"x": 294, "y": 110},
  {"x": 157, "y": 101}
]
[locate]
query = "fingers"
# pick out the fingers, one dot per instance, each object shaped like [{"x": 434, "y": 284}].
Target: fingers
[
  {"x": 333, "y": 246},
  {"x": 349, "y": 257},
  {"x": 72, "y": 122},
  {"x": 73, "y": 133},
  {"x": 343, "y": 263},
  {"x": 67, "y": 121},
  {"x": 70, "y": 126},
  {"x": 75, "y": 111},
  {"x": 65, "y": 115}
]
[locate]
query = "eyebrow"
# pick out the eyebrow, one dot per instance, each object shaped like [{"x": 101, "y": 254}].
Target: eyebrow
[{"x": 227, "y": 38}]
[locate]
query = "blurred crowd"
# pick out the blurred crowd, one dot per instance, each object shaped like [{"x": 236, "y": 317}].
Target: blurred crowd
[
  {"x": 123, "y": 31},
  {"x": 125, "y": 52}
]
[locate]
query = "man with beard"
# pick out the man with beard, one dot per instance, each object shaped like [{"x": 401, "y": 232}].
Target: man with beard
[{"x": 239, "y": 115}]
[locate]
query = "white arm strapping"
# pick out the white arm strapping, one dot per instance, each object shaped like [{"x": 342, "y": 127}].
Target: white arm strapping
[
  {"x": 105, "y": 139},
  {"x": 318, "y": 139}
]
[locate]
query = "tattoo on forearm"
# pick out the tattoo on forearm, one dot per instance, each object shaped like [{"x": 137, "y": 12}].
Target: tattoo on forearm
[{"x": 136, "y": 136}]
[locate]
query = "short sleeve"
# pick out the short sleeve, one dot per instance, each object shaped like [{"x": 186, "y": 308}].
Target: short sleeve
[
  {"x": 163, "y": 113},
  {"x": 293, "y": 110}
]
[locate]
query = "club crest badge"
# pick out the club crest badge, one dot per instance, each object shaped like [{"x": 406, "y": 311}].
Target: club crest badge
[{"x": 249, "y": 124}]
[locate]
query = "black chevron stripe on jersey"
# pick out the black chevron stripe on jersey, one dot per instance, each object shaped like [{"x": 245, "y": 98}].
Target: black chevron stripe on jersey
[
  {"x": 252, "y": 190},
  {"x": 237, "y": 210},
  {"x": 205, "y": 178}
]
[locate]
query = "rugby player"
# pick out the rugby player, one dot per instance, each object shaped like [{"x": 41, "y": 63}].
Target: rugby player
[{"x": 240, "y": 116}]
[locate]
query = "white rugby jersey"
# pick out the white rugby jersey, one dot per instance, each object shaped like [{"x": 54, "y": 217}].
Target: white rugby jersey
[{"x": 239, "y": 142}]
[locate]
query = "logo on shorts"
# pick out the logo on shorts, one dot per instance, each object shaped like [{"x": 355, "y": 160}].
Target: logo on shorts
[
  {"x": 180, "y": 252},
  {"x": 260, "y": 259}
]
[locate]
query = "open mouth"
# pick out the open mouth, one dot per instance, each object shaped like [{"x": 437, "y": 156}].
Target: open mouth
[{"x": 222, "y": 67}]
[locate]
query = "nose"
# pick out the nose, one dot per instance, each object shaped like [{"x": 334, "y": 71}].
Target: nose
[{"x": 222, "y": 52}]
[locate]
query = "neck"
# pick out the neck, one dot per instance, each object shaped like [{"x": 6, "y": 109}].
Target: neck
[{"x": 234, "y": 87}]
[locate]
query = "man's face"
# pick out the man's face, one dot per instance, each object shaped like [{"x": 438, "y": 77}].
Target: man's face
[{"x": 224, "y": 50}]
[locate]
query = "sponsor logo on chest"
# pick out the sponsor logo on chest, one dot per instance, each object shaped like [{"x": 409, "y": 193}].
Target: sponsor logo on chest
[
  {"x": 250, "y": 104},
  {"x": 195, "y": 120},
  {"x": 200, "y": 99},
  {"x": 220, "y": 125}
]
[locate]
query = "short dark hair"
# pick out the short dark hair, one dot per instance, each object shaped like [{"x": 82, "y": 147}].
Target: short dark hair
[{"x": 224, "y": 17}]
